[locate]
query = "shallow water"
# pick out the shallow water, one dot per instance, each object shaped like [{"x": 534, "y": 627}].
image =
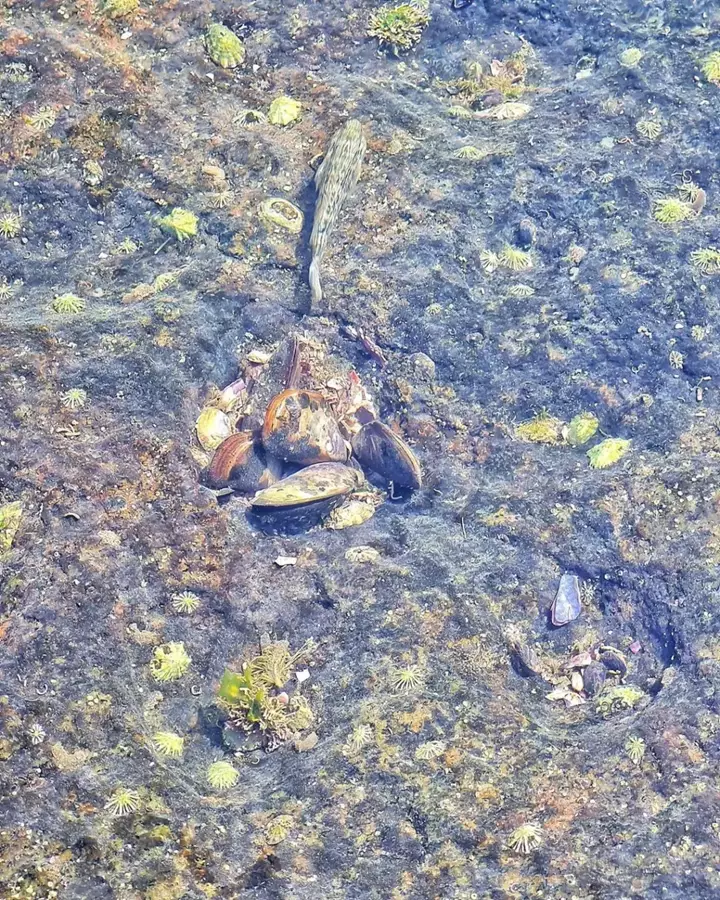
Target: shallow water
[{"x": 418, "y": 781}]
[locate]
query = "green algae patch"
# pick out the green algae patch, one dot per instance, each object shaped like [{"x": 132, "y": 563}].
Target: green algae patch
[
  {"x": 180, "y": 224},
  {"x": 10, "y": 515},
  {"x": 607, "y": 452}
]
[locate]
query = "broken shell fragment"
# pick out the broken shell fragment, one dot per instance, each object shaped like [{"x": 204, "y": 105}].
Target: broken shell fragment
[
  {"x": 354, "y": 512},
  {"x": 240, "y": 464},
  {"x": 381, "y": 450},
  {"x": 283, "y": 111},
  {"x": 566, "y": 606},
  {"x": 300, "y": 428},
  {"x": 302, "y": 500},
  {"x": 581, "y": 428},
  {"x": 212, "y": 427},
  {"x": 576, "y": 681}
]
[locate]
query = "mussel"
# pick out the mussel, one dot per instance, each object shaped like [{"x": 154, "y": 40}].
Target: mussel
[
  {"x": 300, "y": 428},
  {"x": 304, "y": 498},
  {"x": 379, "y": 449},
  {"x": 241, "y": 464}
]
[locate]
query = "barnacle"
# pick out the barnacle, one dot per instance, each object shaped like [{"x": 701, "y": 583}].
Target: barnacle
[
  {"x": 10, "y": 225},
  {"x": 180, "y": 223},
  {"x": 68, "y": 304},
  {"x": 581, "y": 428},
  {"x": 93, "y": 173},
  {"x": 6, "y": 291},
  {"x": 430, "y": 750},
  {"x": 167, "y": 743},
  {"x": 123, "y": 801},
  {"x": 607, "y": 452},
  {"x": 283, "y": 111},
  {"x": 707, "y": 260},
  {"x": 670, "y": 210},
  {"x": 631, "y": 57},
  {"x": 170, "y": 661},
  {"x": 222, "y": 775},
  {"x": 711, "y": 67},
  {"x": 117, "y": 9},
  {"x": 43, "y": 119},
  {"x": 514, "y": 258},
  {"x": 399, "y": 27},
  {"x": 542, "y": 429},
  {"x": 521, "y": 291},
  {"x": 75, "y": 398},
  {"x": 185, "y": 602},
  {"x": 526, "y": 838},
  {"x": 460, "y": 112},
  {"x": 406, "y": 679},
  {"x": 635, "y": 749},
  {"x": 474, "y": 154},
  {"x": 649, "y": 128},
  {"x": 676, "y": 359},
  {"x": 276, "y": 211},
  {"x": 221, "y": 199},
  {"x": 506, "y": 112},
  {"x": 224, "y": 47}
]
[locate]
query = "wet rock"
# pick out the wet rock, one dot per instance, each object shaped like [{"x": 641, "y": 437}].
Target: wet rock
[{"x": 594, "y": 679}]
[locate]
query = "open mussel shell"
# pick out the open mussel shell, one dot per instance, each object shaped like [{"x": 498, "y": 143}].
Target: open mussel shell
[
  {"x": 300, "y": 428},
  {"x": 303, "y": 499},
  {"x": 379, "y": 449},
  {"x": 241, "y": 464}
]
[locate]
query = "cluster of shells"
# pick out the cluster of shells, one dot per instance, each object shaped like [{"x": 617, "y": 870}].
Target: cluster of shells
[{"x": 303, "y": 453}]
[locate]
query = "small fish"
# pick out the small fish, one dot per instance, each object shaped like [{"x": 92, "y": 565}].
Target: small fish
[
  {"x": 566, "y": 605},
  {"x": 336, "y": 177}
]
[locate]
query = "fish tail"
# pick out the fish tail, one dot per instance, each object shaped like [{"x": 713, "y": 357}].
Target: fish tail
[{"x": 315, "y": 287}]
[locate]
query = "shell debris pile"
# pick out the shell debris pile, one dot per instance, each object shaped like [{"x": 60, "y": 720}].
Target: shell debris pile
[{"x": 302, "y": 453}]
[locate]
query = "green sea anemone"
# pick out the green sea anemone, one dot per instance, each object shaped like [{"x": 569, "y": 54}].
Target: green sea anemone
[
  {"x": 167, "y": 743},
  {"x": 707, "y": 260},
  {"x": 75, "y": 398},
  {"x": 185, "y": 602},
  {"x": 10, "y": 225},
  {"x": 711, "y": 67},
  {"x": 224, "y": 47},
  {"x": 671, "y": 210},
  {"x": 406, "y": 679},
  {"x": 635, "y": 749},
  {"x": 68, "y": 304},
  {"x": 399, "y": 27},
  {"x": 170, "y": 661},
  {"x": 180, "y": 223},
  {"x": 525, "y": 838},
  {"x": 222, "y": 775},
  {"x": 123, "y": 801},
  {"x": 514, "y": 258}
]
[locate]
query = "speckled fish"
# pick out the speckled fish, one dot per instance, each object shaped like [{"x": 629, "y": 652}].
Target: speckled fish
[
  {"x": 566, "y": 605},
  {"x": 336, "y": 177}
]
